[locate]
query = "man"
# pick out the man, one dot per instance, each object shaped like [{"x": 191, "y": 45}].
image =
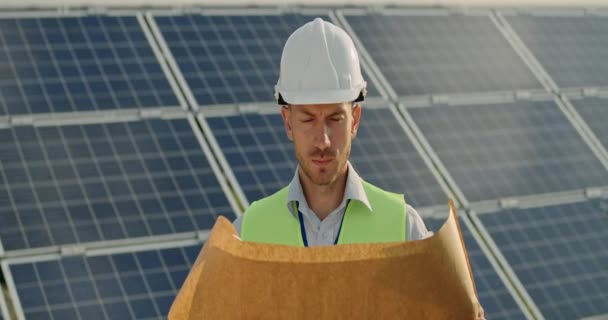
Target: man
[{"x": 319, "y": 88}]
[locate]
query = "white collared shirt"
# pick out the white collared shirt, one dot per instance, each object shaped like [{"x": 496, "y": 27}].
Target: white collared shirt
[{"x": 323, "y": 233}]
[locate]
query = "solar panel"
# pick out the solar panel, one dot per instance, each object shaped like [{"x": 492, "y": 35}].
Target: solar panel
[
  {"x": 571, "y": 49},
  {"x": 132, "y": 285},
  {"x": 226, "y": 59},
  {"x": 263, "y": 161},
  {"x": 494, "y": 296},
  {"x": 595, "y": 113},
  {"x": 71, "y": 184},
  {"x": 520, "y": 148},
  {"x": 559, "y": 254},
  {"x": 441, "y": 54},
  {"x": 65, "y": 64}
]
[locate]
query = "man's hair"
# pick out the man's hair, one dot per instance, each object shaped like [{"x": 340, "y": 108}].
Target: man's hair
[{"x": 352, "y": 105}]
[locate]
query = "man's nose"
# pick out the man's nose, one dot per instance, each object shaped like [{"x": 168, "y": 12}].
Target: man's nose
[{"x": 322, "y": 134}]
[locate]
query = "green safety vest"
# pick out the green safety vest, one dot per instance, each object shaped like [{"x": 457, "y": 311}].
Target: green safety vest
[{"x": 270, "y": 221}]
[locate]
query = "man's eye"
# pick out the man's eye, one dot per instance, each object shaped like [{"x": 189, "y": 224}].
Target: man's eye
[
  {"x": 336, "y": 119},
  {"x": 306, "y": 120}
]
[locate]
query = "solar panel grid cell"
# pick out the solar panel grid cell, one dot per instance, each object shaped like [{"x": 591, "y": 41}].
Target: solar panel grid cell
[
  {"x": 594, "y": 112},
  {"x": 426, "y": 54},
  {"x": 133, "y": 285},
  {"x": 257, "y": 150},
  {"x": 97, "y": 182},
  {"x": 572, "y": 49},
  {"x": 496, "y": 300},
  {"x": 66, "y": 64},
  {"x": 515, "y": 149},
  {"x": 558, "y": 253},
  {"x": 384, "y": 155}
]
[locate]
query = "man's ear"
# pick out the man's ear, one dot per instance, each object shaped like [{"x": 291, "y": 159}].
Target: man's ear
[
  {"x": 286, "y": 114},
  {"x": 356, "y": 118}
]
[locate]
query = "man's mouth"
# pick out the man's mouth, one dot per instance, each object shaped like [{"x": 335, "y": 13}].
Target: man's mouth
[{"x": 321, "y": 162}]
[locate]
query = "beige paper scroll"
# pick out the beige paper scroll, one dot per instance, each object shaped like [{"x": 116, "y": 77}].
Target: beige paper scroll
[{"x": 425, "y": 279}]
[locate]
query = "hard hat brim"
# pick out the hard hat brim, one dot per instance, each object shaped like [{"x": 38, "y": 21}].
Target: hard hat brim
[{"x": 321, "y": 97}]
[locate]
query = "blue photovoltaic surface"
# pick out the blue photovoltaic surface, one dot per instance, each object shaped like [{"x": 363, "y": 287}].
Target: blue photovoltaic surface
[
  {"x": 442, "y": 54},
  {"x": 510, "y": 149},
  {"x": 559, "y": 254},
  {"x": 257, "y": 150},
  {"x": 85, "y": 63},
  {"x": 82, "y": 183},
  {"x": 234, "y": 58},
  {"x": 595, "y": 113},
  {"x": 573, "y": 50},
  {"x": 263, "y": 160},
  {"x": 494, "y": 297},
  {"x": 138, "y": 285}
]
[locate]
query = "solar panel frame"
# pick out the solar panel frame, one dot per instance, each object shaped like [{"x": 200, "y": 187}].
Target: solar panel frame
[
  {"x": 506, "y": 200},
  {"x": 597, "y": 138},
  {"x": 227, "y": 168},
  {"x": 390, "y": 90},
  {"x": 162, "y": 60},
  {"x": 506, "y": 267},
  {"x": 512, "y": 287},
  {"x": 181, "y": 79},
  {"x": 498, "y": 254},
  {"x": 220, "y": 111},
  {"x": 420, "y": 152},
  {"x": 97, "y": 253},
  {"x": 111, "y": 13},
  {"x": 206, "y": 151}
]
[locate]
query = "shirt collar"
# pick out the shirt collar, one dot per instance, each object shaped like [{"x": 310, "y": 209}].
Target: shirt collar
[{"x": 353, "y": 191}]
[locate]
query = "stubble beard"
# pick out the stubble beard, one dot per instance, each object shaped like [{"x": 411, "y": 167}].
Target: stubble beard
[{"x": 323, "y": 177}]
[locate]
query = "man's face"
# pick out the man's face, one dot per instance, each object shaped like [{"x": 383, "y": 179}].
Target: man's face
[{"x": 322, "y": 136}]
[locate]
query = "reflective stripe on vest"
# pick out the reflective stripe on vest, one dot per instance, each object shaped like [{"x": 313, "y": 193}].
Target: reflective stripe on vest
[{"x": 270, "y": 221}]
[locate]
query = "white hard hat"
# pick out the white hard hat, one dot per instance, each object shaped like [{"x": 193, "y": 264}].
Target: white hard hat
[{"x": 319, "y": 65}]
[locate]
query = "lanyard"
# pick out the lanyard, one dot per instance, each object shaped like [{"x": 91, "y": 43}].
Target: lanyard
[{"x": 303, "y": 229}]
